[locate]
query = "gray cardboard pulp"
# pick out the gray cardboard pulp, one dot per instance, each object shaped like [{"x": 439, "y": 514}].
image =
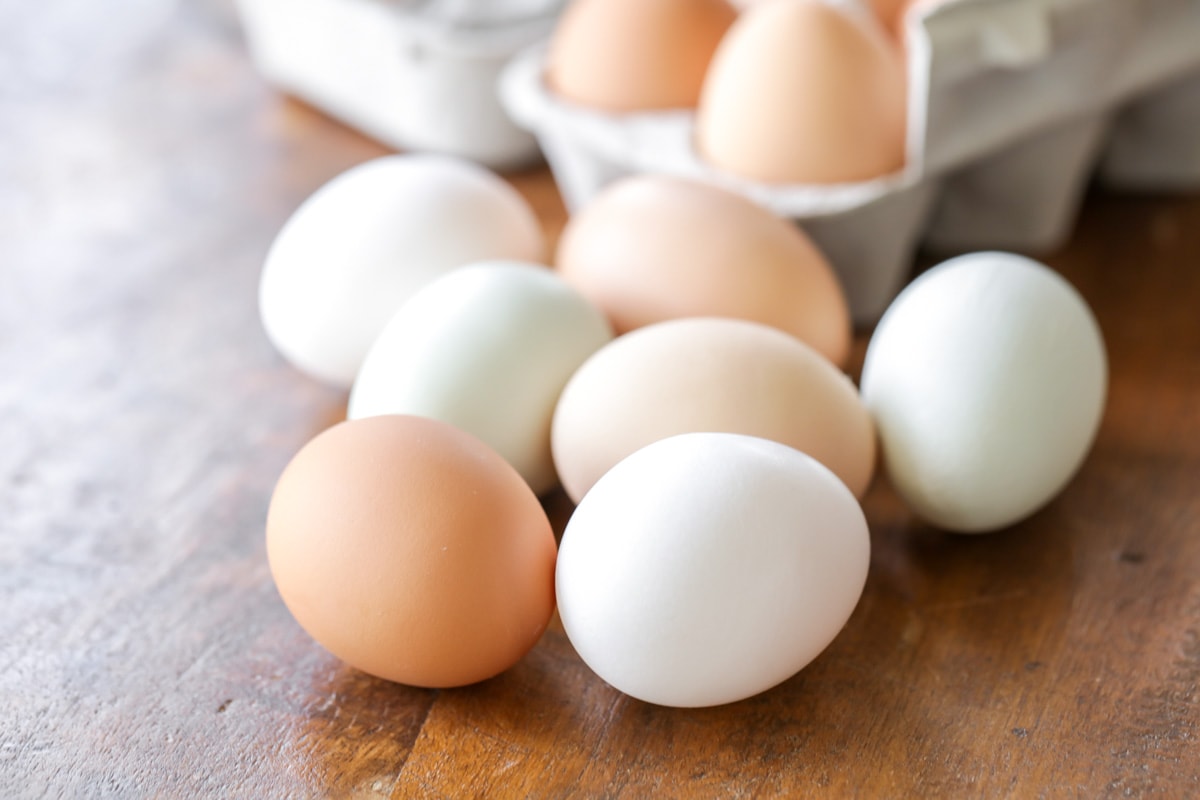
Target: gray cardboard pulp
[
  {"x": 1012, "y": 106},
  {"x": 413, "y": 74}
]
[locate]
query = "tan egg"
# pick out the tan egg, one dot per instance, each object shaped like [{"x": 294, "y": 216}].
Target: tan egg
[
  {"x": 651, "y": 248},
  {"x": 709, "y": 375},
  {"x": 800, "y": 92},
  {"x": 892, "y": 12},
  {"x": 632, "y": 55},
  {"x": 412, "y": 551}
]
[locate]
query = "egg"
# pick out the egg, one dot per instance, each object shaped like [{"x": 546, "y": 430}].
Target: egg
[
  {"x": 709, "y": 567},
  {"x": 364, "y": 242},
  {"x": 412, "y": 551},
  {"x": 987, "y": 378},
  {"x": 635, "y": 55},
  {"x": 651, "y": 248},
  {"x": 708, "y": 374},
  {"x": 801, "y": 92},
  {"x": 892, "y": 13},
  {"x": 487, "y": 348}
]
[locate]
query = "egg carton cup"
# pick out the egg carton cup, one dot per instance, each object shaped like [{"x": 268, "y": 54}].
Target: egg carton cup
[
  {"x": 414, "y": 75},
  {"x": 1155, "y": 142},
  {"x": 1012, "y": 105},
  {"x": 990, "y": 205}
]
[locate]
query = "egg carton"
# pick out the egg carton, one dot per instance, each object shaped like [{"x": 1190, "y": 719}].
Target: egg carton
[
  {"x": 1012, "y": 106},
  {"x": 413, "y": 74}
]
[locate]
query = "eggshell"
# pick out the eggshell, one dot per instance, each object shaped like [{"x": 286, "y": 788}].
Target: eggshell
[
  {"x": 412, "y": 551},
  {"x": 986, "y": 378},
  {"x": 801, "y": 92},
  {"x": 709, "y": 567},
  {"x": 630, "y": 55},
  {"x": 708, "y": 374},
  {"x": 651, "y": 248},
  {"x": 364, "y": 242},
  {"x": 892, "y": 13},
  {"x": 487, "y": 348}
]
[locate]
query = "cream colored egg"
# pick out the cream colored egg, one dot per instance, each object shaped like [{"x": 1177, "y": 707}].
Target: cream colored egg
[
  {"x": 708, "y": 374},
  {"x": 487, "y": 348},
  {"x": 651, "y": 248},
  {"x": 802, "y": 92}
]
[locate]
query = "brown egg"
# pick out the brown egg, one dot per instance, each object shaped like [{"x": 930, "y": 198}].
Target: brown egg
[
  {"x": 412, "y": 551},
  {"x": 892, "y": 13},
  {"x": 799, "y": 92},
  {"x": 709, "y": 375},
  {"x": 633, "y": 55},
  {"x": 651, "y": 248}
]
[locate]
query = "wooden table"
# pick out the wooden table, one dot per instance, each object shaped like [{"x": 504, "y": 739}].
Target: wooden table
[{"x": 144, "y": 419}]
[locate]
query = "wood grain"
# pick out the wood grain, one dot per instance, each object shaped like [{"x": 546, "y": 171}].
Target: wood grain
[{"x": 144, "y": 169}]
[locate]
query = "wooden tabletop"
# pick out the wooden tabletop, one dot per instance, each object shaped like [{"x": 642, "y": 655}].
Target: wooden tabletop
[{"x": 144, "y": 418}]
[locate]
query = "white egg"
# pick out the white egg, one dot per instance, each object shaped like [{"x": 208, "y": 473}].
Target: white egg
[
  {"x": 364, "y": 242},
  {"x": 709, "y": 567},
  {"x": 986, "y": 378},
  {"x": 488, "y": 349}
]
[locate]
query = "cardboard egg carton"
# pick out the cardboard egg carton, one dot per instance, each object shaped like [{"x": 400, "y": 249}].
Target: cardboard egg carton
[
  {"x": 1012, "y": 106},
  {"x": 414, "y": 74}
]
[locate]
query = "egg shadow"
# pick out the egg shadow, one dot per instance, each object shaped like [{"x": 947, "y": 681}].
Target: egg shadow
[{"x": 982, "y": 592}]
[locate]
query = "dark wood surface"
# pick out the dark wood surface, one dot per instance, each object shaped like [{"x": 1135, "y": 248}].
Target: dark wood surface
[{"x": 144, "y": 169}]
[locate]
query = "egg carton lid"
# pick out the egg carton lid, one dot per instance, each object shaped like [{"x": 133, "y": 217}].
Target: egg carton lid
[{"x": 477, "y": 28}]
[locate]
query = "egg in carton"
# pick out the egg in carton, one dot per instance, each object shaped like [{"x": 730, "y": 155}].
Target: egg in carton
[
  {"x": 413, "y": 74},
  {"x": 1010, "y": 105}
]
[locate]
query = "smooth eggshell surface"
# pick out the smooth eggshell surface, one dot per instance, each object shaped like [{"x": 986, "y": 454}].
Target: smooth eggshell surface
[
  {"x": 486, "y": 348},
  {"x": 801, "y": 92},
  {"x": 986, "y": 378},
  {"x": 632, "y": 55},
  {"x": 708, "y": 374},
  {"x": 412, "y": 551},
  {"x": 651, "y": 248},
  {"x": 709, "y": 567},
  {"x": 364, "y": 242}
]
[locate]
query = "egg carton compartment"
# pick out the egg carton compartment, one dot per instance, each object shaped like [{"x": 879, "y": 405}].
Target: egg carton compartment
[
  {"x": 989, "y": 205},
  {"x": 413, "y": 74},
  {"x": 989, "y": 74},
  {"x": 1012, "y": 103},
  {"x": 1154, "y": 143}
]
